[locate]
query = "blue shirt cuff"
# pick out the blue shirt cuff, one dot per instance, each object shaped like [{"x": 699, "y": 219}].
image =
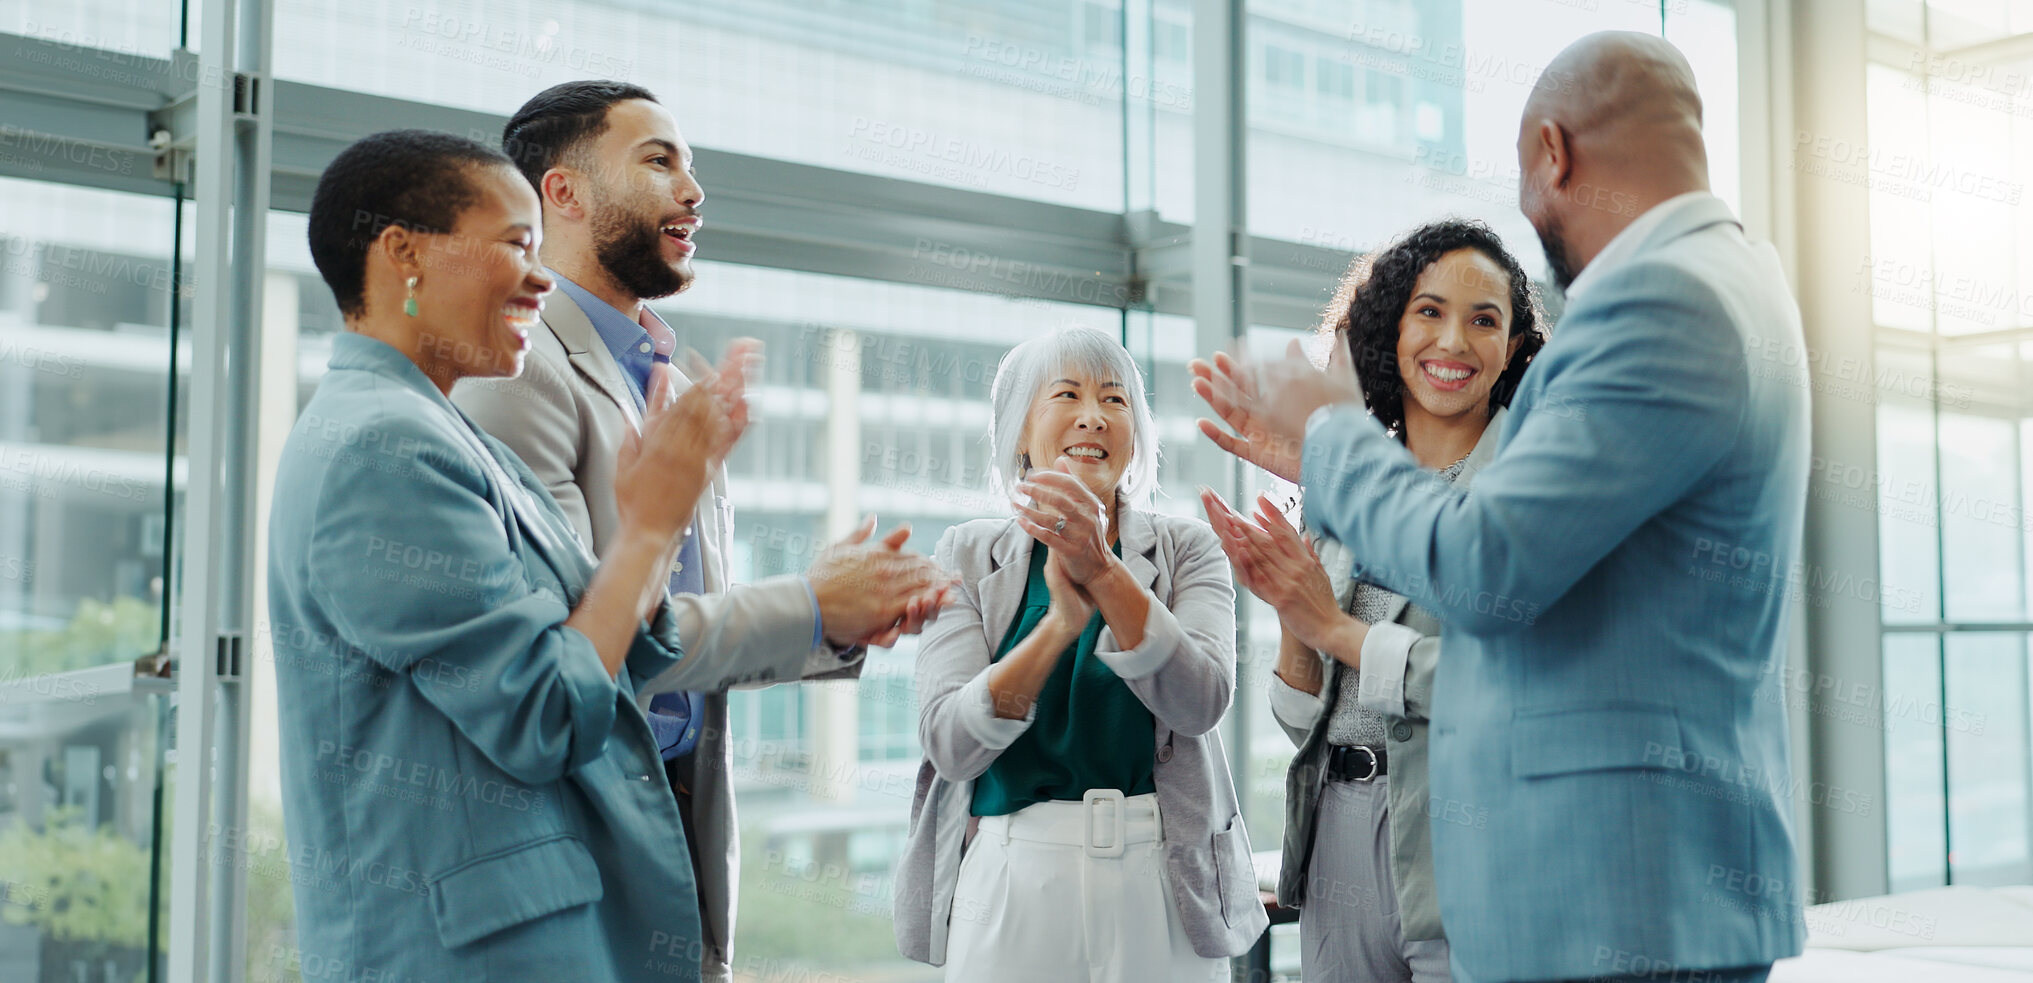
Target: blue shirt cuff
[{"x": 818, "y": 623}]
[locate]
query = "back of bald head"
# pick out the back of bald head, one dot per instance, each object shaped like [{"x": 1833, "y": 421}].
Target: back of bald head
[{"x": 1628, "y": 104}]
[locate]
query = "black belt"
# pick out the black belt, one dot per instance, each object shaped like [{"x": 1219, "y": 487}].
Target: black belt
[{"x": 1356, "y": 764}]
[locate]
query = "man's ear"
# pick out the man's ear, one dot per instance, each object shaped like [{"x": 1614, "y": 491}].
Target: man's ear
[
  {"x": 560, "y": 191},
  {"x": 1559, "y": 157}
]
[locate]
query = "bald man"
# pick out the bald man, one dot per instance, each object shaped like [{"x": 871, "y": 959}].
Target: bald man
[{"x": 1611, "y": 794}]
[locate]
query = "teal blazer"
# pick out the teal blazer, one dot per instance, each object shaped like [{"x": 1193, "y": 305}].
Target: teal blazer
[
  {"x": 467, "y": 795},
  {"x": 1614, "y": 592}
]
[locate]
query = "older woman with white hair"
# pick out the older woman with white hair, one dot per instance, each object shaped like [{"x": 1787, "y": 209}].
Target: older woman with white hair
[{"x": 1074, "y": 817}]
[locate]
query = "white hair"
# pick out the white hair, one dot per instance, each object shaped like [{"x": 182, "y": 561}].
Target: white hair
[{"x": 1023, "y": 374}]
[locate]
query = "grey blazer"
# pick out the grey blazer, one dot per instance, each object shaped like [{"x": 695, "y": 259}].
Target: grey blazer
[
  {"x": 566, "y": 416},
  {"x": 1184, "y": 672},
  {"x": 1398, "y": 660}
]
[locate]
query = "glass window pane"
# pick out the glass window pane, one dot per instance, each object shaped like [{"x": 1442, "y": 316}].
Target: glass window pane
[
  {"x": 1983, "y": 560},
  {"x": 84, "y": 380},
  {"x": 1914, "y": 817},
  {"x": 1016, "y": 97},
  {"x": 1988, "y": 747},
  {"x": 1902, "y": 488},
  {"x": 85, "y": 295},
  {"x": 1434, "y": 131},
  {"x": 1898, "y": 272},
  {"x": 1706, "y": 32},
  {"x": 1969, "y": 182},
  {"x": 111, "y": 36}
]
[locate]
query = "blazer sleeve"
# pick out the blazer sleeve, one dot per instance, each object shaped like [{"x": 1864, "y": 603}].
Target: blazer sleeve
[
  {"x": 412, "y": 561},
  {"x": 1296, "y": 711},
  {"x": 1397, "y": 671},
  {"x": 742, "y": 637},
  {"x": 957, "y": 725},
  {"x": 1184, "y": 670},
  {"x": 1646, "y": 397},
  {"x": 751, "y": 635}
]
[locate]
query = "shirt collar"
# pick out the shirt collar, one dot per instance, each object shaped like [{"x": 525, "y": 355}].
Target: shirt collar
[
  {"x": 1626, "y": 243},
  {"x": 623, "y": 337}
]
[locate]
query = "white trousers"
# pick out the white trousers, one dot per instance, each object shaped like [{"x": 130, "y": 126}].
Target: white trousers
[{"x": 1062, "y": 891}]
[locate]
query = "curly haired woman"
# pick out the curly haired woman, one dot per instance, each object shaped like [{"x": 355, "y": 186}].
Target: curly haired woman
[{"x": 1440, "y": 327}]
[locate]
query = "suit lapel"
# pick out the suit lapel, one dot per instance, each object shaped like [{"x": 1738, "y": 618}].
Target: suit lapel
[
  {"x": 1003, "y": 589},
  {"x": 1140, "y": 547},
  {"x": 588, "y": 354}
]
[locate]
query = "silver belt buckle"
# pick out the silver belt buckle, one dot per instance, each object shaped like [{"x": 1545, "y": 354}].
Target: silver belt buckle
[
  {"x": 1371, "y": 754},
  {"x": 1113, "y": 797}
]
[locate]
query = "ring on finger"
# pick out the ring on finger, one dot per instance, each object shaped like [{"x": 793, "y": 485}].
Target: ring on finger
[{"x": 1059, "y": 528}]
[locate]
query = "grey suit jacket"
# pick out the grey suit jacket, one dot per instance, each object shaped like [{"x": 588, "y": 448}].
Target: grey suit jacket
[
  {"x": 1398, "y": 660},
  {"x": 1184, "y": 672},
  {"x": 566, "y": 416}
]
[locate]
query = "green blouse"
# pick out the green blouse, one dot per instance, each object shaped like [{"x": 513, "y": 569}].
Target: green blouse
[{"x": 1090, "y": 731}]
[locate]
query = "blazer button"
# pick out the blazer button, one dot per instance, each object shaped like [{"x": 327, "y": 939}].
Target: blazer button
[
  {"x": 1401, "y": 731},
  {"x": 1164, "y": 754}
]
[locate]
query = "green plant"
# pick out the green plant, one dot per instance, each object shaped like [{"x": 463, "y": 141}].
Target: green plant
[
  {"x": 99, "y": 633},
  {"x": 77, "y": 884}
]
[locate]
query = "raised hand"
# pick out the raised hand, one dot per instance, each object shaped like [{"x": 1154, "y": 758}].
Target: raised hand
[
  {"x": 1274, "y": 562},
  {"x": 872, "y": 593},
  {"x": 1266, "y": 405},
  {"x": 1081, "y": 544}
]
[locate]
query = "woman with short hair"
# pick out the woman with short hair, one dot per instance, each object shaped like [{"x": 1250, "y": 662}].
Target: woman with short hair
[
  {"x": 462, "y": 749},
  {"x": 1075, "y": 818},
  {"x": 1440, "y": 326}
]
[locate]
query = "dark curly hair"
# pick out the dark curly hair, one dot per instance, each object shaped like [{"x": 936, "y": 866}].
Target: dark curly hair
[{"x": 1371, "y": 300}]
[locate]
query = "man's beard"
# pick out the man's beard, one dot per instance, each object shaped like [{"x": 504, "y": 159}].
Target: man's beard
[
  {"x": 1551, "y": 239},
  {"x": 631, "y": 251}
]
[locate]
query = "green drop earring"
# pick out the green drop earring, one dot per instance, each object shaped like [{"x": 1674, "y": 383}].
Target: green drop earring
[{"x": 409, "y": 302}]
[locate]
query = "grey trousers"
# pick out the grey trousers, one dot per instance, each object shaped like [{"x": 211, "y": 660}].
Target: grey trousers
[{"x": 1348, "y": 925}]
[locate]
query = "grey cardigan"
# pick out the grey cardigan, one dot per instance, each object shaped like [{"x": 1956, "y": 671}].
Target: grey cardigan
[
  {"x": 1184, "y": 672},
  {"x": 1398, "y": 659}
]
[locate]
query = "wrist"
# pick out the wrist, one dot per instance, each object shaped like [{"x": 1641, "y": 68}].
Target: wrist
[
  {"x": 1344, "y": 639},
  {"x": 1059, "y": 624},
  {"x": 1314, "y": 622},
  {"x": 639, "y": 538}
]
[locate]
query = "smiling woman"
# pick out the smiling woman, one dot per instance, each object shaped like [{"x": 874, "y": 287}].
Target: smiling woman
[
  {"x": 474, "y": 641},
  {"x": 1068, "y": 703}
]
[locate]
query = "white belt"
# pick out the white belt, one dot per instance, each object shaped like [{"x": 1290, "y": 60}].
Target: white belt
[{"x": 1102, "y": 823}]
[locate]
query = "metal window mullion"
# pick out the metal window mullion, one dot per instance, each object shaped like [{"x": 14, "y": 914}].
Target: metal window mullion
[
  {"x": 1826, "y": 56},
  {"x": 230, "y": 193},
  {"x": 1220, "y": 240}
]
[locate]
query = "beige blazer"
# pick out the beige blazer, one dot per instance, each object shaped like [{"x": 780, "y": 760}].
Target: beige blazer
[
  {"x": 566, "y": 416},
  {"x": 1183, "y": 671}
]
